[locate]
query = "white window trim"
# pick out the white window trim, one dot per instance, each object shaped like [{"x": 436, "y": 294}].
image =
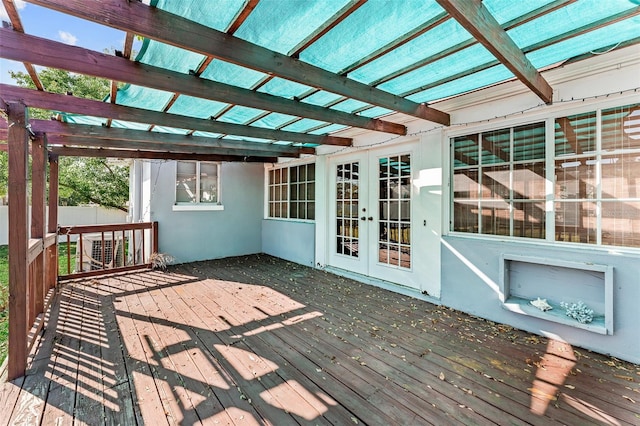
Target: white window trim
[
  {"x": 287, "y": 165},
  {"x": 548, "y": 116},
  {"x": 186, "y": 207},
  {"x": 198, "y": 206}
]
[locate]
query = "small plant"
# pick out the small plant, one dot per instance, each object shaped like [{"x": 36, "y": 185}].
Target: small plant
[
  {"x": 160, "y": 261},
  {"x": 578, "y": 311}
]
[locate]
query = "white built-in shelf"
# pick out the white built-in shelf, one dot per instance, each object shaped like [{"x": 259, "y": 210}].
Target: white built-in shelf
[
  {"x": 557, "y": 314},
  {"x": 525, "y": 278}
]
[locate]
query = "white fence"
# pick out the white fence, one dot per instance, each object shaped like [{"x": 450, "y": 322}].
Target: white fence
[{"x": 69, "y": 216}]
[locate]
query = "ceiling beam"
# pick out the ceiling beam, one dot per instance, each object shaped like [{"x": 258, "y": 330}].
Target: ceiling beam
[
  {"x": 516, "y": 22},
  {"x": 75, "y": 105},
  {"x": 242, "y": 16},
  {"x": 90, "y": 142},
  {"x": 394, "y": 44},
  {"x": 16, "y": 23},
  {"x": 168, "y": 140},
  {"x": 126, "y": 53},
  {"x": 152, "y": 155},
  {"x": 153, "y": 23},
  {"x": 327, "y": 26},
  {"x": 542, "y": 44},
  {"x": 478, "y": 21},
  {"x": 22, "y": 47}
]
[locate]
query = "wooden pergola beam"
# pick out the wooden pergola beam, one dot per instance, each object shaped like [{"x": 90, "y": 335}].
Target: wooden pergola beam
[
  {"x": 542, "y": 44},
  {"x": 126, "y": 53},
  {"x": 90, "y": 142},
  {"x": 16, "y": 23},
  {"x": 169, "y": 140},
  {"x": 22, "y": 47},
  {"x": 152, "y": 23},
  {"x": 478, "y": 21},
  {"x": 153, "y": 155},
  {"x": 67, "y": 103},
  {"x": 242, "y": 16},
  {"x": 328, "y": 25},
  {"x": 516, "y": 22},
  {"x": 403, "y": 39}
]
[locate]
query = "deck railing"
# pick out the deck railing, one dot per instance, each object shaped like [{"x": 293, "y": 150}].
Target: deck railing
[
  {"x": 105, "y": 249},
  {"x": 42, "y": 274}
]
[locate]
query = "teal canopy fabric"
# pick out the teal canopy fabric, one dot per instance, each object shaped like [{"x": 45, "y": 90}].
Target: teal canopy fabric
[{"x": 389, "y": 44}]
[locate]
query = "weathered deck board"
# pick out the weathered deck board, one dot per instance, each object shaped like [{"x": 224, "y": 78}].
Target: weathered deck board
[
  {"x": 411, "y": 348},
  {"x": 207, "y": 304},
  {"x": 256, "y": 340}
]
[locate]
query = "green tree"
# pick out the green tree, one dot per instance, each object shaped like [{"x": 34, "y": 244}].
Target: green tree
[
  {"x": 93, "y": 180},
  {"x": 82, "y": 180},
  {"x": 61, "y": 81}
]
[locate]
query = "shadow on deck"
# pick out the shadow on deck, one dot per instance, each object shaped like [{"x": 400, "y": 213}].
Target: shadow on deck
[{"x": 257, "y": 340}]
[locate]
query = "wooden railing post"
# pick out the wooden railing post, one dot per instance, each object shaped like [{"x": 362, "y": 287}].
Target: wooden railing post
[
  {"x": 53, "y": 219},
  {"x": 154, "y": 237},
  {"x": 18, "y": 137},
  {"x": 38, "y": 184}
]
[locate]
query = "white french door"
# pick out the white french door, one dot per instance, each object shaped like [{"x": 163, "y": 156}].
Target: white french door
[{"x": 370, "y": 205}]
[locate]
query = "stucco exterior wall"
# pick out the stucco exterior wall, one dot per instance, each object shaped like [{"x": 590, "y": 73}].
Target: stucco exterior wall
[
  {"x": 200, "y": 235},
  {"x": 290, "y": 240}
]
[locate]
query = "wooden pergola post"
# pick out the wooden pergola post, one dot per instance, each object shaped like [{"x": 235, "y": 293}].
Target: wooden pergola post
[
  {"x": 52, "y": 226},
  {"x": 18, "y": 138},
  {"x": 38, "y": 199}
]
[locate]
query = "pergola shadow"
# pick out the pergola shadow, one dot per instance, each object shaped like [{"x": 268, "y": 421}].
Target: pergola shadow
[
  {"x": 258, "y": 340},
  {"x": 86, "y": 369}
]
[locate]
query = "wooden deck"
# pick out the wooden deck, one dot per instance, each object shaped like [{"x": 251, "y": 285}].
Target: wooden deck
[{"x": 257, "y": 340}]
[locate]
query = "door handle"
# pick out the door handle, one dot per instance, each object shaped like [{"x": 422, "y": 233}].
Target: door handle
[
  {"x": 370, "y": 217},
  {"x": 363, "y": 218}
]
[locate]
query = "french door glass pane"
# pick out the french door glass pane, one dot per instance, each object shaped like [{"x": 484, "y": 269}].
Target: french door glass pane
[
  {"x": 394, "y": 207},
  {"x": 347, "y": 222}
]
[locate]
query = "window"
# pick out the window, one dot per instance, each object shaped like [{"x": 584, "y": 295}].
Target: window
[
  {"x": 597, "y": 178},
  {"x": 197, "y": 182},
  {"x": 498, "y": 180},
  {"x": 292, "y": 192}
]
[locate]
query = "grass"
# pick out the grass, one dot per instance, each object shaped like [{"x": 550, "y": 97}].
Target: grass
[
  {"x": 4, "y": 290},
  {"x": 4, "y": 301}
]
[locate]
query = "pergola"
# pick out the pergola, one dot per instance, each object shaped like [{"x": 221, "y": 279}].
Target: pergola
[{"x": 285, "y": 99}]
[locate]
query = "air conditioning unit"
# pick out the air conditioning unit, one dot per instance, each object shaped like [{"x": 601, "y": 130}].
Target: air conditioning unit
[{"x": 92, "y": 252}]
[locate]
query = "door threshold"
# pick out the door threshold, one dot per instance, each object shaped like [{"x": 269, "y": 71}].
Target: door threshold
[{"x": 387, "y": 285}]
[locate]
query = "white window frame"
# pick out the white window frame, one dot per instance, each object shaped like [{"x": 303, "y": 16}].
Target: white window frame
[
  {"x": 267, "y": 200},
  {"x": 549, "y": 117},
  {"x": 198, "y": 205}
]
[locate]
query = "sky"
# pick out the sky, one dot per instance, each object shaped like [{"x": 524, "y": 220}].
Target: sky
[{"x": 46, "y": 23}]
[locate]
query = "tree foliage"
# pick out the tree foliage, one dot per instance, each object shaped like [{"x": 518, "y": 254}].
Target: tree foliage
[
  {"x": 93, "y": 180},
  {"x": 82, "y": 180},
  {"x": 64, "y": 82}
]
